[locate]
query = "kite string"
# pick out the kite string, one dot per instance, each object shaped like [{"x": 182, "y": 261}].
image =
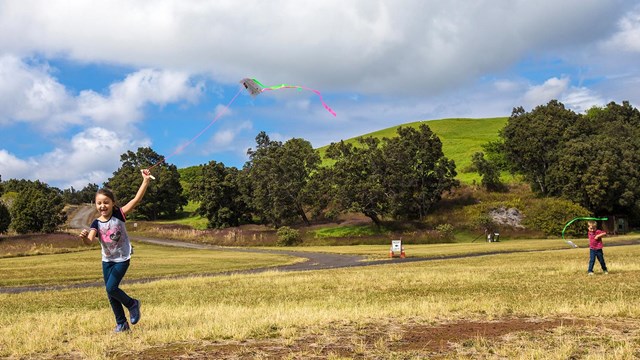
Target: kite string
[{"x": 182, "y": 147}]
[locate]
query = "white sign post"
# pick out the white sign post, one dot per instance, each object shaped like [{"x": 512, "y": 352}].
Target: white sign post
[{"x": 396, "y": 248}]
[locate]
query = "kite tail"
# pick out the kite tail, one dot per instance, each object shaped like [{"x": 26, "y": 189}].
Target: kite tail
[
  {"x": 582, "y": 218},
  {"x": 255, "y": 87},
  {"x": 322, "y": 101}
]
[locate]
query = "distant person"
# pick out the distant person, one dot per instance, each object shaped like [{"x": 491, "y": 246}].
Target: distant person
[
  {"x": 488, "y": 233},
  {"x": 116, "y": 250},
  {"x": 595, "y": 247}
]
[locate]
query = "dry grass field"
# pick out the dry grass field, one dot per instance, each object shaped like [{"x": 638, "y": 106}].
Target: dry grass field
[{"x": 529, "y": 305}]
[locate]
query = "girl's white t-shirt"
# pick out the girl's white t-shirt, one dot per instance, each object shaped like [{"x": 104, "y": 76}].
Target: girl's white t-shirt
[{"x": 113, "y": 237}]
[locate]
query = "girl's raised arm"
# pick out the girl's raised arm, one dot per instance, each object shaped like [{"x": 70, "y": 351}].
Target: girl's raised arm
[{"x": 146, "y": 177}]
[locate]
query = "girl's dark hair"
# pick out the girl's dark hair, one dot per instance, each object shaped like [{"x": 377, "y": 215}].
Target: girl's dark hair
[{"x": 108, "y": 193}]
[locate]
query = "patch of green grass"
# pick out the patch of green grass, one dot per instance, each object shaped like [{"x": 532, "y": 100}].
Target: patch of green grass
[
  {"x": 194, "y": 221},
  {"x": 189, "y": 217},
  {"x": 191, "y": 206},
  {"x": 348, "y": 231}
]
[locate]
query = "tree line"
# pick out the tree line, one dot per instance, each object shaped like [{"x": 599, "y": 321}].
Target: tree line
[
  {"x": 282, "y": 183},
  {"x": 286, "y": 182},
  {"x": 586, "y": 158}
]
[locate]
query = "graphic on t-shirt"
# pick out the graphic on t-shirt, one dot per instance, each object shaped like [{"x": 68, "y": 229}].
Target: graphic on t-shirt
[
  {"x": 110, "y": 238},
  {"x": 113, "y": 237}
]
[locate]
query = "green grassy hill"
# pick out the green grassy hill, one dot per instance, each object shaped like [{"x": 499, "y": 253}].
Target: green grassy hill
[{"x": 461, "y": 138}]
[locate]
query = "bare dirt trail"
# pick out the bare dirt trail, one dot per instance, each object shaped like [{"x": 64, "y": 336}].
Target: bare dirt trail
[{"x": 82, "y": 217}]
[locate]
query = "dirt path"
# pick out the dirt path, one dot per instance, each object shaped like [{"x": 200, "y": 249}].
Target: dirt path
[
  {"x": 82, "y": 217},
  {"x": 313, "y": 260}
]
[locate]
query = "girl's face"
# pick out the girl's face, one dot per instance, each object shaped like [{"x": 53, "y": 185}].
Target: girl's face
[{"x": 104, "y": 205}]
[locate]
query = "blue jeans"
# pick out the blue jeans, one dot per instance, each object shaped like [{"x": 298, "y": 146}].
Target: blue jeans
[
  {"x": 113, "y": 273},
  {"x": 593, "y": 254}
]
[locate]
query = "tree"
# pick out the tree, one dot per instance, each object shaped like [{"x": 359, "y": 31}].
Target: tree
[
  {"x": 416, "y": 172},
  {"x": 288, "y": 236},
  {"x": 298, "y": 161},
  {"x": 218, "y": 191},
  {"x": 71, "y": 196},
  {"x": 488, "y": 171},
  {"x": 5, "y": 218},
  {"x": 319, "y": 193},
  {"x": 164, "y": 195},
  {"x": 597, "y": 165},
  {"x": 532, "y": 141},
  {"x": 278, "y": 174},
  {"x": 15, "y": 185},
  {"x": 88, "y": 193},
  {"x": 189, "y": 176},
  {"x": 495, "y": 153},
  {"x": 268, "y": 199},
  {"x": 358, "y": 178},
  {"x": 37, "y": 208}
]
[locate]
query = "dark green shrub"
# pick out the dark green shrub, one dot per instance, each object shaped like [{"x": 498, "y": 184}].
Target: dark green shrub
[
  {"x": 288, "y": 236},
  {"x": 549, "y": 215},
  {"x": 445, "y": 230}
]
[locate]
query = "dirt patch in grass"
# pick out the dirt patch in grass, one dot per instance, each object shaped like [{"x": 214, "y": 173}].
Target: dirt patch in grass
[
  {"x": 438, "y": 338},
  {"x": 357, "y": 341}
]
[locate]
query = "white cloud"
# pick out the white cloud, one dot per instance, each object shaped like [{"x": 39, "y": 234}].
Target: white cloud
[
  {"x": 126, "y": 100},
  {"x": 11, "y": 167},
  {"x": 227, "y": 139},
  {"x": 581, "y": 99},
  {"x": 382, "y": 62},
  {"x": 628, "y": 36},
  {"x": 222, "y": 110},
  {"x": 505, "y": 85},
  {"x": 90, "y": 157},
  {"x": 406, "y": 46},
  {"x": 576, "y": 98},
  {"x": 542, "y": 94},
  {"x": 30, "y": 94}
]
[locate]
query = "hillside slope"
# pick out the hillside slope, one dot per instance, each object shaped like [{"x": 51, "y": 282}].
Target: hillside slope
[{"x": 461, "y": 138}]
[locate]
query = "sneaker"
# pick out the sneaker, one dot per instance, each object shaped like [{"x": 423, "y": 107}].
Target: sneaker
[
  {"x": 134, "y": 312},
  {"x": 122, "y": 327},
  {"x": 606, "y": 272},
  {"x": 590, "y": 273}
]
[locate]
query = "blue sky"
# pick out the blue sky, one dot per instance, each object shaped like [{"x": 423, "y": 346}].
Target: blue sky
[{"x": 83, "y": 82}]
